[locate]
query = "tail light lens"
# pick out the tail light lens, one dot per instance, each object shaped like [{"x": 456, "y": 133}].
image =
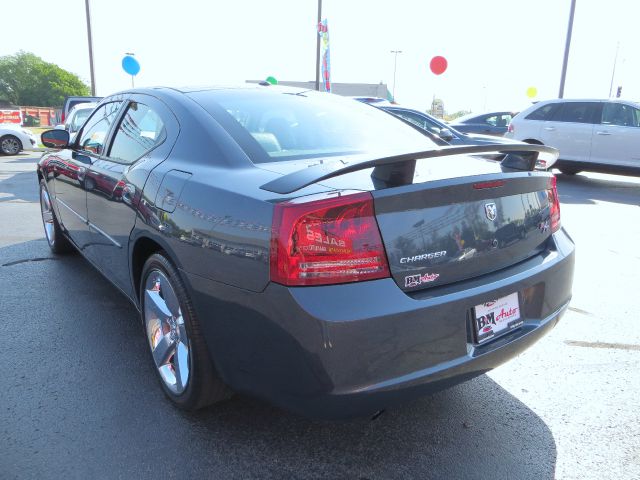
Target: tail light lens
[
  {"x": 62, "y": 117},
  {"x": 554, "y": 205},
  {"x": 510, "y": 128},
  {"x": 327, "y": 241}
]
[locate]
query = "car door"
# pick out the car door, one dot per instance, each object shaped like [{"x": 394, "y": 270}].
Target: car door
[
  {"x": 570, "y": 130},
  {"x": 143, "y": 137},
  {"x": 616, "y": 140},
  {"x": 70, "y": 169}
]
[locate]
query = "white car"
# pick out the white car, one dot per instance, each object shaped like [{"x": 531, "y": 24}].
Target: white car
[
  {"x": 594, "y": 135},
  {"x": 76, "y": 117},
  {"x": 14, "y": 139}
]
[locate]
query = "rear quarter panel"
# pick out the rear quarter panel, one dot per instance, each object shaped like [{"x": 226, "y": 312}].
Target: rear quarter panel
[{"x": 221, "y": 234}]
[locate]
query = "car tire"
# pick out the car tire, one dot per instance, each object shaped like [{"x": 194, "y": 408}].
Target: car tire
[
  {"x": 178, "y": 349},
  {"x": 10, "y": 145},
  {"x": 56, "y": 239}
]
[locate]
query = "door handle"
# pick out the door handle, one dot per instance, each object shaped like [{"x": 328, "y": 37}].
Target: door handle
[
  {"x": 603, "y": 133},
  {"x": 550, "y": 129}
]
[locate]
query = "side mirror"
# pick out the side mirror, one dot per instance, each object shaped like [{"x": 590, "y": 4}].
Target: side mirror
[
  {"x": 55, "y": 139},
  {"x": 446, "y": 135}
]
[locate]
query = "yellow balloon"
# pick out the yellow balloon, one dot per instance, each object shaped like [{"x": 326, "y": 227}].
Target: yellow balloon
[{"x": 532, "y": 92}]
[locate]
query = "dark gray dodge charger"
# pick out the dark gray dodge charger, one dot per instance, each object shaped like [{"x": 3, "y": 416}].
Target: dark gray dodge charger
[{"x": 305, "y": 248}]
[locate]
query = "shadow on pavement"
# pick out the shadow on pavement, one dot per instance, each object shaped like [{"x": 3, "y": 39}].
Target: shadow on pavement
[
  {"x": 81, "y": 400},
  {"x": 582, "y": 189},
  {"x": 30, "y": 157},
  {"x": 21, "y": 186}
]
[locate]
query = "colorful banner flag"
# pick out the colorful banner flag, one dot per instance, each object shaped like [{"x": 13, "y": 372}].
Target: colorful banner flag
[{"x": 323, "y": 31}]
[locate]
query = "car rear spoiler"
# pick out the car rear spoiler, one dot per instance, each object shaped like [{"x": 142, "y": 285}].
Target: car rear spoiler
[{"x": 399, "y": 169}]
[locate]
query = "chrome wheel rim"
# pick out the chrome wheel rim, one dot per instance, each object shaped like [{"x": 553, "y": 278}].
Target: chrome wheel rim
[
  {"x": 166, "y": 332},
  {"x": 10, "y": 146},
  {"x": 47, "y": 215}
]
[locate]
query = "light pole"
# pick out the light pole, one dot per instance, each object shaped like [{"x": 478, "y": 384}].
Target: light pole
[
  {"x": 395, "y": 64},
  {"x": 566, "y": 49},
  {"x": 93, "y": 77}
]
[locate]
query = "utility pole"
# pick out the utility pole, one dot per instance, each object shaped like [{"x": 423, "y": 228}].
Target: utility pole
[
  {"x": 318, "y": 45},
  {"x": 395, "y": 63},
  {"x": 613, "y": 73},
  {"x": 93, "y": 76},
  {"x": 566, "y": 49}
]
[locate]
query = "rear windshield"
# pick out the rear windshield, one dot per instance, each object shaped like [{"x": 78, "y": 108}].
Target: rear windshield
[{"x": 288, "y": 125}]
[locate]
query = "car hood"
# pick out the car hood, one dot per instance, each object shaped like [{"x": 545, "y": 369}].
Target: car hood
[{"x": 11, "y": 126}]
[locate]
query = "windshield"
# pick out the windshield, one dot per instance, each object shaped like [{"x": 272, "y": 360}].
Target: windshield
[
  {"x": 79, "y": 118},
  {"x": 305, "y": 124}
]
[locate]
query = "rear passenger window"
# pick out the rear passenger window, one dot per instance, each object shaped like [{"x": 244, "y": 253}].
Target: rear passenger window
[
  {"x": 620, "y": 114},
  {"x": 577, "y": 112},
  {"x": 545, "y": 112},
  {"x": 140, "y": 130}
]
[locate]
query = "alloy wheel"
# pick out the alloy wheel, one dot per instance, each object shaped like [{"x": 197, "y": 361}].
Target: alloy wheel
[
  {"x": 47, "y": 216},
  {"x": 10, "y": 146},
  {"x": 166, "y": 332}
]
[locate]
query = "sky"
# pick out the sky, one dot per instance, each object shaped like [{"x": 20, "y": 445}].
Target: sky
[{"x": 496, "y": 49}]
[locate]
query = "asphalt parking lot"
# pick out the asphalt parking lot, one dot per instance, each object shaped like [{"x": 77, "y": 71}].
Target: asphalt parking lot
[{"x": 79, "y": 399}]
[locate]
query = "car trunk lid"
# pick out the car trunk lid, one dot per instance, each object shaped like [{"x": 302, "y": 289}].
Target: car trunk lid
[{"x": 449, "y": 230}]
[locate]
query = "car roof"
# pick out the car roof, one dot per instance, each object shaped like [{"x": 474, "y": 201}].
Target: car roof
[
  {"x": 81, "y": 106},
  {"x": 610, "y": 100},
  {"x": 377, "y": 101}
]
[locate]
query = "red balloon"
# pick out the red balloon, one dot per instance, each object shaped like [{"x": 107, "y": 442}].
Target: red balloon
[{"x": 438, "y": 65}]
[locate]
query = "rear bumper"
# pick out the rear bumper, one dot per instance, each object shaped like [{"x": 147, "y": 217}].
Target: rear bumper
[{"x": 347, "y": 350}]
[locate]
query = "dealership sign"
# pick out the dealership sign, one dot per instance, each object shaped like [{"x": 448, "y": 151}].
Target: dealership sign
[{"x": 11, "y": 116}]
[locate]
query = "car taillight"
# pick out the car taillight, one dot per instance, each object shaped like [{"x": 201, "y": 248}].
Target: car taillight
[
  {"x": 510, "y": 128},
  {"x": 554, "y": 205},
  {"x": 62, "y": 117},
  {"x": 327, "y": 241}
]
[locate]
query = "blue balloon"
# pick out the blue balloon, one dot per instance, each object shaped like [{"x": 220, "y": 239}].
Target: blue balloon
[{"x": 130, "y": 65}]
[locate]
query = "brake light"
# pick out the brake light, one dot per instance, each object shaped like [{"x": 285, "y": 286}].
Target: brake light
[
  {"x": 327, "y": 241},
  {"x": 62, "y": 117},
  {"x": 493, "y": 184},
  {"x": 554, "y": 205},
  {"x": 510, "y": 128}
]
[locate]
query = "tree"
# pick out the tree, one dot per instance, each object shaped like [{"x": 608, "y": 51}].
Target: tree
[{"x": 26, "y": 79}]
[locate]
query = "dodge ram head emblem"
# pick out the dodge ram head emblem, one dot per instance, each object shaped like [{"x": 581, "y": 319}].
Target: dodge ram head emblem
[{"x": 491, "y": 211}]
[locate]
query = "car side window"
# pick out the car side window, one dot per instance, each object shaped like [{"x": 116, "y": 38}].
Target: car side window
[
  {"x": 417, "y": 120},
  {"x": 503, "y": 120},
  {"x": 546, "y": 112},
  {"x": 94, "y": 133},
  {"x": 140, "y": 130},
  {"x": 493, "y": 120},
  {"x": 576, "y": 112},
  {"x": 620, "y": 114}
]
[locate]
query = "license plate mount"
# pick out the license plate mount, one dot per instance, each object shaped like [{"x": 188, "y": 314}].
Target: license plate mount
[{"x": 497, "y": 317}]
